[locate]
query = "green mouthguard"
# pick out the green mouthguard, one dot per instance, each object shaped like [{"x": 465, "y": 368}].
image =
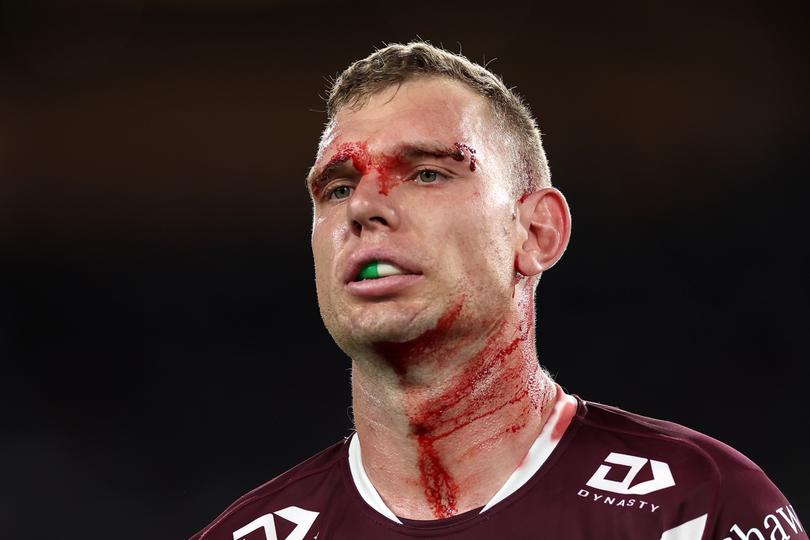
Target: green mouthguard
[{"x": 370, "y": 271}]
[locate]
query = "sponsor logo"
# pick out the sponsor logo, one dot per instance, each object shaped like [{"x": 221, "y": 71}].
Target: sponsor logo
[
  {"x": 661, "y": 475},
  {"x": 303, "y": 520},
  {"x": 601, "y": 498},
  {"x": 661, "y": 479},
  {"x": 772, "y": 525}
]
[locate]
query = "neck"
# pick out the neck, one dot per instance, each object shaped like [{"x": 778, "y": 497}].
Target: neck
[{"x": 445, "y": 422}]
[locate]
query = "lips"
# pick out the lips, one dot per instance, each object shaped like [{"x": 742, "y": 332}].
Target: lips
[
  {"x": 383, "y": 287},
  {"x": 374, "y": 264}
]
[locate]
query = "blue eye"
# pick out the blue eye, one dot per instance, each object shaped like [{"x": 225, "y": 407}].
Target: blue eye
[
  {"x": 427, "y": 176},
  {"x": 341, "y": 192}
]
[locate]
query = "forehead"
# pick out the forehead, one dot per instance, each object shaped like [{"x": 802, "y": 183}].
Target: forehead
[{"x": 430, "y": 109}]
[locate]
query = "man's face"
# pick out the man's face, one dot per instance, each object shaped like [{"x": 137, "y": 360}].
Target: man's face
[{"x": 414, "y": 181}]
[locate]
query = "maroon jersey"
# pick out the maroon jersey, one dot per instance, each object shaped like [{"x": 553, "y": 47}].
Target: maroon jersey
[{"x": 611, "y": 475}]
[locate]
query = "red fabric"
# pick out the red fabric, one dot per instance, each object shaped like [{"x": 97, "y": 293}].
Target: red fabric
[{"x": 579, "y": 493}]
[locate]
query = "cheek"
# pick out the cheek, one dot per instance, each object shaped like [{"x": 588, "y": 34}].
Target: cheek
[
  {"x": 329, "y": 233},
  {"x": 480, "y": 223},
  {"x": 327, "y": 230},
  {"x": 322, "y": 247},
  {"x": 488, "y": 246}
]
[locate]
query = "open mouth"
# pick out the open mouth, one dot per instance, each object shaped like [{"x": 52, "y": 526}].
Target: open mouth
[{"x": 379, "y": 269}]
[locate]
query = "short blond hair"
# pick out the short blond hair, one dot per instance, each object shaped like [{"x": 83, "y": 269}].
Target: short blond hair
[{"x": 398, "y": 63}]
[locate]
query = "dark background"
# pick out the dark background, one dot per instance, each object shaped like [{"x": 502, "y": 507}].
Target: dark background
[{"x": 160, "y": 342}]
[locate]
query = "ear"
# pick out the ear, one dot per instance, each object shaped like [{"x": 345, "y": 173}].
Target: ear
[{"x": 545, "y": 226}]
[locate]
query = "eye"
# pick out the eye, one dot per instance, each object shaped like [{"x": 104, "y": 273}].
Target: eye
[
  {"x": 427, "y": 176},
  {"x": 340, "y": 192}
]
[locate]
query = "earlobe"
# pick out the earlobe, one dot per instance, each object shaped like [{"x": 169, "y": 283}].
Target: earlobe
[
  {"x": 545, "y": 221},
  {"x": 529, "y": 262}
]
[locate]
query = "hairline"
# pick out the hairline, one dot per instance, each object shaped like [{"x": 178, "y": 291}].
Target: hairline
[{"x": 495, "y": 115}]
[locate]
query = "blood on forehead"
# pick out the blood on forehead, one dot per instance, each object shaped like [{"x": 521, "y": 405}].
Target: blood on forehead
[
  {"x": 461, "y": 153},
  {"x": 388, "y": 166}
]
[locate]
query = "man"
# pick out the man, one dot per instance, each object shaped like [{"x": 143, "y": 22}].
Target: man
[{"x": 434, "y": 218}]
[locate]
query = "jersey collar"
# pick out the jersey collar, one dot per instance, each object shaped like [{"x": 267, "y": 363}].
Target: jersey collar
[{"x": 538, "y": 453}]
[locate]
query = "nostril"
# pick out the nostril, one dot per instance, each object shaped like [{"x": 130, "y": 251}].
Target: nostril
[{"x": 357, "y": 225}]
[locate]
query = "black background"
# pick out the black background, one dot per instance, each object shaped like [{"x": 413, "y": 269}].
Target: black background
[{"x": 161, "y": 347}]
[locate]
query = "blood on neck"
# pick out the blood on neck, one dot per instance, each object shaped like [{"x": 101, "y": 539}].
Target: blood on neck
[{"x": 498, "y": 378}]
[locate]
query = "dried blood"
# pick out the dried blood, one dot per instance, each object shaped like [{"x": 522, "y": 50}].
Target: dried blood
[{"x": 462, "y": 150}]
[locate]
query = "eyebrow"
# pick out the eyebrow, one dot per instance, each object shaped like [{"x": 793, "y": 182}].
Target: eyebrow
[
  {"x": 414, "y": 151},
  {"x": 318, "y": 177},
  {"x": 404, "y": 151}
]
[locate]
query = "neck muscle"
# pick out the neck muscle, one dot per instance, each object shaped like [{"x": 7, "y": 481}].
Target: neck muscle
[{"x": 446, "y": 420}]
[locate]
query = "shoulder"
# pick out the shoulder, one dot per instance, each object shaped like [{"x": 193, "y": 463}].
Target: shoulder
[
  {"x": 663, "y": 438},
  {"x": 685, "y": 472},
  {"x": 287, "y": 495}
]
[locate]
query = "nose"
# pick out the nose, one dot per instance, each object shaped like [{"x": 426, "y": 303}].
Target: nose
[{"x": 370, "y": 210}]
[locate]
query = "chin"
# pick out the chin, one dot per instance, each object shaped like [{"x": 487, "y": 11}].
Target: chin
[{"x": 376, "y": 324}]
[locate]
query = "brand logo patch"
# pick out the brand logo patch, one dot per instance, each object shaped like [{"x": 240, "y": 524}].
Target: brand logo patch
[
  {"x": 661, "y": 475},
  {"x": 303, "y": 520}
]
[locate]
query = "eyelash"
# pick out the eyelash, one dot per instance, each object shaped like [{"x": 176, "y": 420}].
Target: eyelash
[
  {"x": 329, "y": 192},
  {"x": 439, "y": 175}
]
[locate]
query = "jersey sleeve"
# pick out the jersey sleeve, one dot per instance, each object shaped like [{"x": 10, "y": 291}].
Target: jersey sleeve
[{"x": 749, "y": 506}]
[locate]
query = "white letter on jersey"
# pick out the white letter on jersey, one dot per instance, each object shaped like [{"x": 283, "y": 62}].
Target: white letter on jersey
[
  {"x": 303, "y": 520},
  {"x": 791, "y": 518},
  {"x": 265, "y": 521},
  {"x": 662, "y": 476},
  {"x": 691, "y": 530},
  {"x": 776, "y": 527},
  {"x": 787, "y": 513},
  {"x": 736, "y": 529}
]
